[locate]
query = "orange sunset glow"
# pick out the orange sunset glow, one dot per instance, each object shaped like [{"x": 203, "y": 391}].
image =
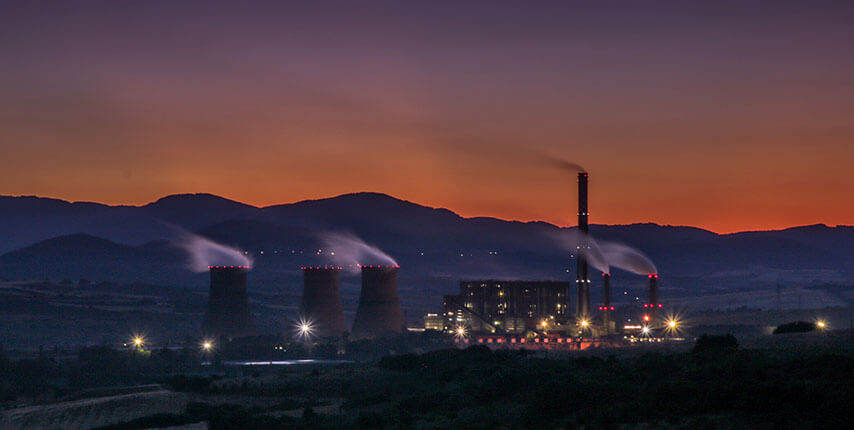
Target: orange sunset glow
[{"x": 736, "y": 122}]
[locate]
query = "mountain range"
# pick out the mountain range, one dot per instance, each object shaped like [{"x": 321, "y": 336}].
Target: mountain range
[{"x": 47, "y": 238}]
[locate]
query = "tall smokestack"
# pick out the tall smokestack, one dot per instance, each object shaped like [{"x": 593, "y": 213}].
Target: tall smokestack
[
  {"x": 582, "y": 308},
  {"x": 606, "y": 308},
  {"x": 653, "y": 296},
  {"x": 321, "y": 300},
  {"x": 379, "y": 313},
  {"x": 228, "y": 303}
]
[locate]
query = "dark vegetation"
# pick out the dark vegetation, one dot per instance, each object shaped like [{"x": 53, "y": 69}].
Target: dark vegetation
[
  {"x": 715, "y": 385},
  {"x": 795, "y": 327}
]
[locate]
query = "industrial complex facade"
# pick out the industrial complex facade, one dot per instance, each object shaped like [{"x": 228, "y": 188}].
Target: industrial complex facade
[{"x": 507, "y": 306}]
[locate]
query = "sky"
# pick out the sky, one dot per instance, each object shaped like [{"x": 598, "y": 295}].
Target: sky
[{"x": 724, "y": 115}]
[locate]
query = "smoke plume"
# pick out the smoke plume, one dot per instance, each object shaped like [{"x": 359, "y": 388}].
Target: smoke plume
[
  {"x": 562, "y": 164},
  {"x": 346, "y": 249},
  {"x": 205, "y": 252}
]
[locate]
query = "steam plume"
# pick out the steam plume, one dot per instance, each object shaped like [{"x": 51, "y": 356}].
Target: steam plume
[
  {"x": 602, "y": 254},
  {"x": 574, "y": 241},
  {"x": 205, "y": 252},
  {"x": 346, "y": 249},
  {"x": 627, "y": 258}
]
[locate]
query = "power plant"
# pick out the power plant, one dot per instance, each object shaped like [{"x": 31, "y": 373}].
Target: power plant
[
  {"x": 379, "y": 313},
  {"x": 501, "y": 311},
  {"x": 535, "y": 313},
  {"x": 228, "y": 303},
  {"x": 321, "y": 301}
]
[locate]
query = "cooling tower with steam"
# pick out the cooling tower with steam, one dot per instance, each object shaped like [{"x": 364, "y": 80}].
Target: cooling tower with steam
[
  {"x": 228, "y": 303},
  {"x": 379, "y": 313},
  {"x": 321, "y": 301},
  {"x": 582, "y": 280}
]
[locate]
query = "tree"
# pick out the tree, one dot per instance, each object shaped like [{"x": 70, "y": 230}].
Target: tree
[{"x": 713, "y": 343}]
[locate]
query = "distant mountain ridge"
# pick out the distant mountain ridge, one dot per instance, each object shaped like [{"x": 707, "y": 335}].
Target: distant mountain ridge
[{"x": 50, "y": 238}]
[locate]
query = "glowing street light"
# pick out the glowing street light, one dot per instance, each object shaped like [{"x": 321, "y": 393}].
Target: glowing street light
[
  {"x": 671, "y": 324},
  {"x": 207, "y": 345},
  {"x": 304, "y": 329},
  {"x": 585, "y": 323},
  {"x": 138, "y": 341},
  {"x": 460, "y": 332},
  {"x": 645, "y": 330},
  {"x": 821, "y": 324}
]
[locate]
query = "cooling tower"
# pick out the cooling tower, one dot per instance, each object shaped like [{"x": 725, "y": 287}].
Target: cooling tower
[
  {"x": 321, "y": 301},
  {"x": 379, "y": 313},
  {"x": 606, "y": 299},
  {"x": 582, "y": 280},
  {"x": 228, "y": 304}
]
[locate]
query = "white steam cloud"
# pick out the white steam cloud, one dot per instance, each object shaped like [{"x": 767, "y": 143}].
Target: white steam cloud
[
  {"x": 627, "y": 258},
  {"x": 205, "y": 252},
  {"x": 603, "y": 255},
  {"x": 574, "y": 241},
  {"x": 346, "y": 249}
]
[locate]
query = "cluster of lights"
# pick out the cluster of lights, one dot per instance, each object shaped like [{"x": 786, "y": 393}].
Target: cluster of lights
[
  {"x": 379, "y": 266},
  {"x": 228, "y": 267},
  {"x": 649, "y": 305},
  {"x": 322, "y": 268},
  {"x": 606, "y": 308}
]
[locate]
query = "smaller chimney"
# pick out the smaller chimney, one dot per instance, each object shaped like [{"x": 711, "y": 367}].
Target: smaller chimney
[
  {"x": 606, "y": 308},
  {"x": 653, "y": 296}
]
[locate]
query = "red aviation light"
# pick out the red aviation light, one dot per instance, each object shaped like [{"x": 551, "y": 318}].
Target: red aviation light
[{"x": 646, "y": 317}]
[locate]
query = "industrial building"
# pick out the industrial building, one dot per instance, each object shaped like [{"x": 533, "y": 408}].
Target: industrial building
[
  {"x": 494, "y": 306},
  {"x": 434, "y": 322}
]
